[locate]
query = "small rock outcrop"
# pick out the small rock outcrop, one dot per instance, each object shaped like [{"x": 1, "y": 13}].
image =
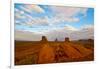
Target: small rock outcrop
[
  {"x": 44, "y": 39},
  {"x": 66, "y": 39}
]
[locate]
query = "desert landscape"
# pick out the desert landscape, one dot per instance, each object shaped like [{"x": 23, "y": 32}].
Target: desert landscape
[
  {"x": 52, "y": 34},
  {"x": 44, "y": 51}
]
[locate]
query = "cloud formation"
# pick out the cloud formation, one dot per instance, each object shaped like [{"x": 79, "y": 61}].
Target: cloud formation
[
  {"x": 68, "y": 11},
  {"x": 59, "y": 14},
  {"x": 34, "y": 21},
  {"x": 60, "y": 34},
  {"x": 30, "y": 8},
  {"x": 27, "y": 36}
]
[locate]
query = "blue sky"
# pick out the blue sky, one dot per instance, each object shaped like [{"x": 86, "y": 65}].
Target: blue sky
[
  {"x": 56, "y": 22},
  {"x": 40, "y": 18}
]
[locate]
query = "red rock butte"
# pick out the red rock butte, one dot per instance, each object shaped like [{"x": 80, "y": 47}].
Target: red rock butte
[{"x": 44, "y": 39}]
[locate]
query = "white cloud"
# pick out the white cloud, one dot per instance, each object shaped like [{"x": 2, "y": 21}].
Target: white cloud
[
  {"x": 85, "y": 32},
  {"x": 19, "y": 14},
  {"x": 16, "y": 10},
  {"x": 72, "y": 34},
  {"x": 30, "y": 8},
  {"x": 19, "y": 11},
  {"x": 48, "y": 21},
  {"x": 27, "y": 36},
  {"x": 68, "y": 11},
  {"x": 62, "y": 14},
  {"x": 84, "y": 11},
  {"x": 60, "y": 34},
  {"x": 35, "y": 8},
  {"x": 67, "y": 14},
  {"x": 37, "y": 21},
  {"x": 65, "y": 19}
]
